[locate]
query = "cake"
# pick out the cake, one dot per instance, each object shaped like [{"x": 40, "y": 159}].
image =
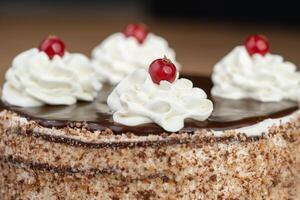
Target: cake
[{"x": 247, "y": 148}]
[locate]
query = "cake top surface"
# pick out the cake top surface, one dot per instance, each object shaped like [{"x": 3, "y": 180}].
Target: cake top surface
[
  {"x": 227, "y": 113},
  {"x": 57, "y": 89}
]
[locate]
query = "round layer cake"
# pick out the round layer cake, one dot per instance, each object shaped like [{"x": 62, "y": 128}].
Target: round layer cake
[{"x": 245, "y": 150}]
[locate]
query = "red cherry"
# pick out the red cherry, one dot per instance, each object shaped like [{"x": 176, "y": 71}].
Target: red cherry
[
  {"x": 257, "y": 44},
  {"x": 139, "y": 31},
  {"x": 162, "y": 69},
  {"x": 52, "y": 45}
]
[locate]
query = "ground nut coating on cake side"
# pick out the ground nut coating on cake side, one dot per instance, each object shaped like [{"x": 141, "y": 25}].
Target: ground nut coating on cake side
[{"x": 73, "y": 163}]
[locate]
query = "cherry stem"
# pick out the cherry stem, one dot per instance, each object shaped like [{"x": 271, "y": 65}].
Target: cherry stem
[{"x": 167, "y": 59}]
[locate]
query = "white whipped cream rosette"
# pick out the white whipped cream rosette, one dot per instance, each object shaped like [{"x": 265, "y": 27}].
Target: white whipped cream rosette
[
  {"x": 265, "y": 78},
  {"x": 137, "y": 100},
  {"x": 117, "y": 56},
  {"x": 35, "y": 80}
]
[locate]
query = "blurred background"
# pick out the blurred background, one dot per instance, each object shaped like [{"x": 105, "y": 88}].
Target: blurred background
[{"x": 201, "y": 32}]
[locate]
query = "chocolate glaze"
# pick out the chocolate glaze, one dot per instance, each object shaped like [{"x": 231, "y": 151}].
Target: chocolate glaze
[
  {"x": 66, "y": 170},
  {"x": 227, "y": 114},
  {"x": 144, "y": 143},
  {"x": 46, "y": 167}
]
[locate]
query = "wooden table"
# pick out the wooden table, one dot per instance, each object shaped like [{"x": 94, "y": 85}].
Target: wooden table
[{"x": 199, "y": 45}]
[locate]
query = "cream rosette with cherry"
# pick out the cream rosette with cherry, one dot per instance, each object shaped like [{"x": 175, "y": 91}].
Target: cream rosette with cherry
[
  {"x": 123, "y": 52},
  {"x": 250, "y": 71},
  {"x": 158, "y": 96},
  {"x": 50, "y": 75}
]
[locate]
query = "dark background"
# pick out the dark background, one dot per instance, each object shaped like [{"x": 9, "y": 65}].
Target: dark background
[{"x": 265, "y": 11}]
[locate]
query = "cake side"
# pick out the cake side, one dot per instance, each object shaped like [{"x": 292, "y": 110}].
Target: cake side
[{"x": 44, "y": 163}]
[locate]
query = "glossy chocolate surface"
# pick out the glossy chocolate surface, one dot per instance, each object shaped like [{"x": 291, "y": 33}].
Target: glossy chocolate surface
[{"x": 227, "y": 113}]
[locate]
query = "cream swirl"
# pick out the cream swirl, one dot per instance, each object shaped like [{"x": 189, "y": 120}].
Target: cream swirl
[
  {"x": 137, "y": 100},
  {"x": 117, "y": 55},
  {"x": 35, "y": 80},
  {"x": 264, "y": 78}
]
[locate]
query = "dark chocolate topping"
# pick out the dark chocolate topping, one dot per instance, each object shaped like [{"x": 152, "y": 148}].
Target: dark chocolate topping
[{"x": 227, "y": 113}]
